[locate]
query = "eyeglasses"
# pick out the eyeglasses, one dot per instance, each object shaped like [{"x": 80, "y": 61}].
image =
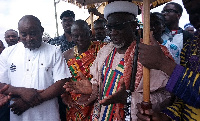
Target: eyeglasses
[
  {"x": 169, "y": 11},
  {"x": 118, "y": 26}
]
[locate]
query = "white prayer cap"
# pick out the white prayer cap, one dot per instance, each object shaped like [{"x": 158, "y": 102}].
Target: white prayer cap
[{"x": 120, "y": 6}]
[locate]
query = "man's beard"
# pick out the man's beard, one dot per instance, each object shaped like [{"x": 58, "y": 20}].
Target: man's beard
[
  {"x": 68, "y": 31},
  {"x": 119, "y": 45}
]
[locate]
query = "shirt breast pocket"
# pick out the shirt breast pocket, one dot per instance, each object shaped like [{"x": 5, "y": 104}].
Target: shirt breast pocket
[{"x": 46, "y": 71}]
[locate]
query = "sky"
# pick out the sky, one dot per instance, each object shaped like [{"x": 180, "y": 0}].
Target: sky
[{"x": 12, "y": 10}]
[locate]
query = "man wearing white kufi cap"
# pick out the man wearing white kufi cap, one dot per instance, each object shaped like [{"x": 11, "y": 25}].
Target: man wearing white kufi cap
[{"x": 112, "y": 68}]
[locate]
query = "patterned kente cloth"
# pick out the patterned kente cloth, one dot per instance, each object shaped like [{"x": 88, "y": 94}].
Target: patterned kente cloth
[
  {"x": 121, "y": 67},
  {"x": 82, "y": 63},
  {"x": 190, "y": 58},
  {"x": 110, "y": 81}
]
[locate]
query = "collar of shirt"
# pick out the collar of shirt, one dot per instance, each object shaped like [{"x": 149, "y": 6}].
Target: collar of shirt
[{"x": 174, "y": 32}]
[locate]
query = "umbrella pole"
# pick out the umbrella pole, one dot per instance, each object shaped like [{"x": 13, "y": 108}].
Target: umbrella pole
[{"x": 146, "y": 104}]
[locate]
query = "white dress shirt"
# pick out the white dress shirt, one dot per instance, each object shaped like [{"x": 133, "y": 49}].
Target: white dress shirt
[{"x": 39, "y": 69}]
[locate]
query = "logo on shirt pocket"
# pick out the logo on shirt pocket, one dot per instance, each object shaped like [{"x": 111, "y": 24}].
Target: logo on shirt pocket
[{"x": 12, "y": 67}]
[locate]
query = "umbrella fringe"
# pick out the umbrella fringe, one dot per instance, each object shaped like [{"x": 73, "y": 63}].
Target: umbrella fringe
[
  {"x": 139, "y": 3},
  {"x": 154, "y": 4}
]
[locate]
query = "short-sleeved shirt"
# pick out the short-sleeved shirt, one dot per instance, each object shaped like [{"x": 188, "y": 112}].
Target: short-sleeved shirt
[
  {"x": 175, "y": 37},
  {"x": 174, "y": 50},
  {"x": 62, "y": 42},
  {"x": 39, "y": 69},
  {"x": 174, "y": 41}
]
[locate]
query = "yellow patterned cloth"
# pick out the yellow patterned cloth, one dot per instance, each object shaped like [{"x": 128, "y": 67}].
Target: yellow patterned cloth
[
  {"x": 187, "y": 87},
  {"x": 180, "y": 111}
]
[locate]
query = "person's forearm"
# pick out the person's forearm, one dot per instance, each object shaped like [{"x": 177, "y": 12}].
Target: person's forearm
[
  {"x": 89, "y": 98},
  {"x": 11, "y": 89},
  {"x": 54, "y": 90},
  {"x": 167, "y": 66}
]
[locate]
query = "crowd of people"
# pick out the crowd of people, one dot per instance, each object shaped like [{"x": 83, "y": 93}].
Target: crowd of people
[{"x": 84, "y": 76}]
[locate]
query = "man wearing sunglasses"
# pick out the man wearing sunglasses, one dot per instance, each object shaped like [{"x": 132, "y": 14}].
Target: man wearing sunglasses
[
  {"x": 112, "y": 69},
  {"x": 172, "y": 12}
]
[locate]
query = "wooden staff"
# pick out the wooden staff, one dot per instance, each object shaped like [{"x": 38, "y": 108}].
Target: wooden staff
[{"x": 146, "y": 73}]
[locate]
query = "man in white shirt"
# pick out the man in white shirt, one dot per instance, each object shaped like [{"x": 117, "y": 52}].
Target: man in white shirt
[
  {"x": 35, "y": 72},
  {"x": 11, "y": 37},
  {"x": 174, "y": 37}
]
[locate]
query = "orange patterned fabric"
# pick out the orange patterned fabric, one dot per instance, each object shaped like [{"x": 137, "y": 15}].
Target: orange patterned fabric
[
  {"x": 82, "y": 63},
  {"x": 128, "y": 64}
]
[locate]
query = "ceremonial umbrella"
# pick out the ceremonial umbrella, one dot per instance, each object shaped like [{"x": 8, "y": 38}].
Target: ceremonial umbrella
[{"x": 146, "y": 5}]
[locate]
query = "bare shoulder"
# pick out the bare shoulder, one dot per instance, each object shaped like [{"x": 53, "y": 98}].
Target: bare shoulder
[{"x": 69, "y": 54}]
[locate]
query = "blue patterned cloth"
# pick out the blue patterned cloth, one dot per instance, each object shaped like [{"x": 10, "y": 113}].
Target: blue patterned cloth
[
  {"x": 185, "y": 83},
  {"x": 62, "y": 42},
  {"x": 173, "y": 49}
]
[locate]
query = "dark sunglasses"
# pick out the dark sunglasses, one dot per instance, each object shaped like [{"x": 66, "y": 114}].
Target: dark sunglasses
[
  {"x": 118, "y": 26},
  {"x": 169, "y": 11}
]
